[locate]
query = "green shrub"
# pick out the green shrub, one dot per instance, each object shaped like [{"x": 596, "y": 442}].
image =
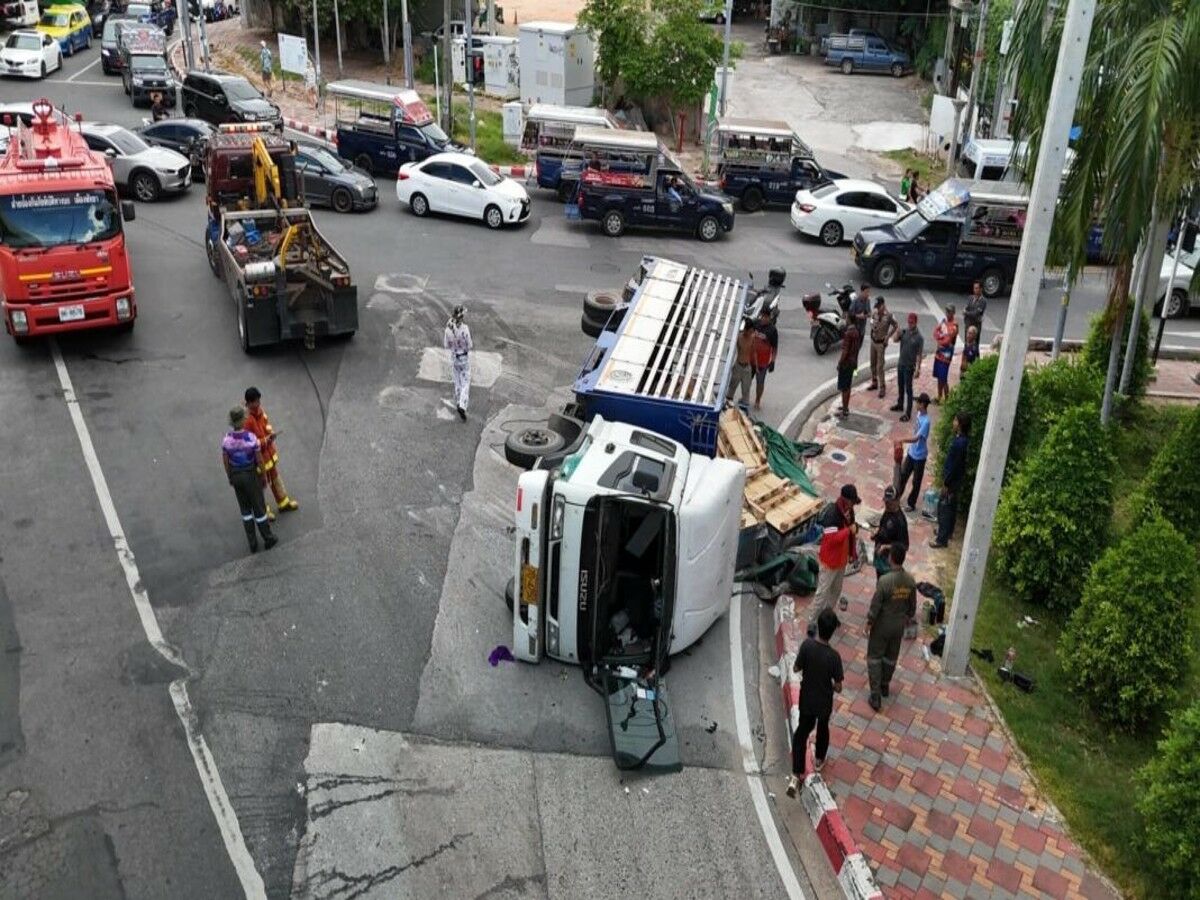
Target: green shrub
[
  {"x": 1170, "y": 805},
  {"x": 1128, "y": 645},
  {"x": 1098, "y": 343},
  {"x": 1052, "y": 389},
  {"x": 1172, "y": 482},
  {"x": 1055, "y": 511},
  {"x": 973, "y": 395}
]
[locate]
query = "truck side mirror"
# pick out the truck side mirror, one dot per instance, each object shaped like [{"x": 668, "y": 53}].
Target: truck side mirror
[{"x": 128, "y": 210}]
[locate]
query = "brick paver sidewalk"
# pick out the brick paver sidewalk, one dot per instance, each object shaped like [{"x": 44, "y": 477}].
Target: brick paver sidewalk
[{"x": 930, "y": 787}]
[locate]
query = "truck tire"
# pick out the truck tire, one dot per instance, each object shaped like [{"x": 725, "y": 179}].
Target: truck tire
[
  {"x": 525, "y": 447},
  {"x": 709, "y": 229},
  {"x": 832, "y": 234},
  {"x": 613, "y": 223},
  {"x": 145, "y": 186},
  {"x": 1177, "y": 304},
  {"x": 847, "y": 66},
  {"x": 243, "y": 331},
  {"x": 418, "y": 205},
  {"x": 210, "y": 250},
  {"x": 363, "y": 161},
  {"x": 591, "y": 327},
  {"x": 992, "y": 282},
  {"x": 510, "y": 593},
  {"x": 823, "y": 341},
  {"x": 752, "y": 198},
  {"x": 886, "y": 273},
  {"x": 599, "y": 305},
  {"x": 897, "y": 70}
]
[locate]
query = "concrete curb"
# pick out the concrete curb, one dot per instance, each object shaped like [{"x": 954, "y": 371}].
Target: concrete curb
[
  {"x": 1046, "y": 344},
  {"x": 847, "y": 861},
  {"x": 795, "y": 420},
  {"x": 329, "y": 135}
]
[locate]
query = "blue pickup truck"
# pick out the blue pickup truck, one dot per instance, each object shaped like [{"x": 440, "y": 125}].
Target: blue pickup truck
[
  {"x": 961, "y": 232},
  {"x": 760, "y": 161},
  {"x": 379, "y": 127},
  {"x": 865, "y": 53}
]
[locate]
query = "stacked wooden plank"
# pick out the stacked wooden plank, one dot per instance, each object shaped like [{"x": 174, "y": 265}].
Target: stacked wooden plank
[{"x": 767, "y": 497}]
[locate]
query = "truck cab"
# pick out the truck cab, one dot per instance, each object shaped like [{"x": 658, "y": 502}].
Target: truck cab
[
  {"x": 630, "y": 180},
  {"x": 379, "y": 128},
  {"x": 761, "y": 161},
  {"x": 959, "y": 233},
  {"x": 549, "y": 135},
  {"x": 19, "y": 13},
  {"x": 144, "y": 69}
]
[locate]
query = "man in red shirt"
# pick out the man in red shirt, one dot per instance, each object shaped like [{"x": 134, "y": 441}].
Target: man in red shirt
[
  {"x": 259, "y": 425},
  {"x": 839, "y": 544}
]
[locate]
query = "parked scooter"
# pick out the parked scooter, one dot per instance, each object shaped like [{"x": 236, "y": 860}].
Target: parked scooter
[
  {"x": 760, "y": 300},
  {"x": 828, "y": 325}
]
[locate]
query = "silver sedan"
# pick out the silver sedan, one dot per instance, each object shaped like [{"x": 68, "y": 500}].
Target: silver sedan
[{"x": 145, "y": 172}]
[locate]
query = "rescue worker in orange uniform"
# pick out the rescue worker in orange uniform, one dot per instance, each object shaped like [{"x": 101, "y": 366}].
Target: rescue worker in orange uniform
[{"x": 259, "y": 425}]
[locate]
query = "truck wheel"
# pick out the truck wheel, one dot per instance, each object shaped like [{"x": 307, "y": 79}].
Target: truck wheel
[
  {"x": 243, "y": 331},
  {"x": 144, "y": 186},
  {"x": 886, "y": 273},
  {"x": 363, "y": 161},
  {"x": 897, "y": 70},
  {"x": 599, "y": 305},
  {"x": 847, "y": 66},
  {"x": 831, "y": 234},
  {"x": 493, "y": 218},
  {"x": 614, "y": 223},
  {"x": 418, "y": 205},
  {"x": 591, "y": 327},
  {"x": 525, "y": 447},
  {"x": 1177, "y": 305},
  {"x": 992, "y": 282},
  {"x": 210, "y": 250},
  {"x": 822, "y": 341},
  {"x": 341, "y": 201},
  {"x": 752, "y": 199},
  {"x": 510, "y": 593},
  {"x": 709, "y": 229}
]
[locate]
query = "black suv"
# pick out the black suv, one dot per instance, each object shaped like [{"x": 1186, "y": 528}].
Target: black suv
[{"x": 219, "y": 97}]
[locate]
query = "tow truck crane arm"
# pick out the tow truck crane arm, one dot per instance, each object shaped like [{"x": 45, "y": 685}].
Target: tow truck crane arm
[{"x": 266, "y": 176}]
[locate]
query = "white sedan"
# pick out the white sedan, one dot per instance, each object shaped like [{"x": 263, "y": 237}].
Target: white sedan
[
  {"x": 461, "y": 185},
  {"x": 837, "y": 211},
  {"x": 30, "y": 54}
]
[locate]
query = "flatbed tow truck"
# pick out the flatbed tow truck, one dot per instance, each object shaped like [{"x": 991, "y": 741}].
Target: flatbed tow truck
[{"x": 287, "y": 281}]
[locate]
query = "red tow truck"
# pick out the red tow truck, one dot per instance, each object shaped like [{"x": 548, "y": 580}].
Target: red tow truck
[{"x": 63, "y": 262}]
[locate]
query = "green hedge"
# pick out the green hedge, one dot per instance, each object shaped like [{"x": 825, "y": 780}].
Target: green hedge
[
  {"x": 1051, "y": 390},
  {"x": 1054, "y": 513},
  {"x": 1170, "y": 804},
  {"x": 1128, "y": 645},
  {"x": 1099, "y": 342},
  {"x": 1172, "y": 482}
]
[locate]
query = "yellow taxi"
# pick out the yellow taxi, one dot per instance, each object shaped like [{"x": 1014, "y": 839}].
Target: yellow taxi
[{"x": 69, "y": 24}]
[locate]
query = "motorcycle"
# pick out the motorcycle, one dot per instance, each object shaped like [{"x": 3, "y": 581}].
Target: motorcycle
[
  {"x": 765, "y": 300},
  {"x": 827, "y": 326}
]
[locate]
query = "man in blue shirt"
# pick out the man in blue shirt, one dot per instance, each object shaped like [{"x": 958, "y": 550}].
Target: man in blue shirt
[
  {"x": 954, "y": 470},
  {"x": 918, "y": 451}
]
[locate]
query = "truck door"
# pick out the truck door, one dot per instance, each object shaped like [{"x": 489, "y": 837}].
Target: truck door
[
  {"x": 673, "y": 201},
  {"x": 931, "y": 253},
  {"x": 876, "y": 55},
  {"x": 531, "y": 578},
  {"x": 410, "y": 146}
]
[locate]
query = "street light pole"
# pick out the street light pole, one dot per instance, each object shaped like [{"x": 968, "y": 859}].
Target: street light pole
[
  {"x": 337, "y": 32},
  {"x": 317, "y": 43},
  {"x": 469, "y": 65},
  {"x": 976, "y": 66},
  {"x": 447, "y": 73},
  {"x": 406, "y": 30},
  {"x": 387, "y": 39},
  {"x": 725, "y": 56},
  {"x": 1052, "y": 157}
]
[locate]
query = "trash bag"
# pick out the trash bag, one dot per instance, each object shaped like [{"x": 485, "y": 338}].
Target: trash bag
[
  {"x": 937, "y": 613},
  {"x": 803, "y": 577}
]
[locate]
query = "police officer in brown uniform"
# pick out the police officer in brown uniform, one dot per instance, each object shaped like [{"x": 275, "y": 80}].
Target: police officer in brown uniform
[{"x": 892, "y": 607}]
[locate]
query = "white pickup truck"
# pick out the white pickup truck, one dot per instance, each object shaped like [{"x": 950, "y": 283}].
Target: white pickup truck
[{"x": 624, "y": 553}]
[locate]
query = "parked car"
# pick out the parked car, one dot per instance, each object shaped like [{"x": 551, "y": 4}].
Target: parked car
[
  {"x": 857, "y": 53},
  {"x": 146, "y": 172},
  {"x": 461, "y": 185},
  {"x": 331, "y": 181},
  {"x": 30, "y": 54},
  {"x": 186, "y": 136},
  {"x": 69, "y": 24},
  {"x": 837, "y": 211},
  {"x": 1183, "y": 297},
  {"x": 219, "y": 97},
  {"x": 110, "y": 43}
]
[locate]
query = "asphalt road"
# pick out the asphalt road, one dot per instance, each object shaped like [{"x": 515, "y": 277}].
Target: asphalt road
[{"x": 353, "y": 655}]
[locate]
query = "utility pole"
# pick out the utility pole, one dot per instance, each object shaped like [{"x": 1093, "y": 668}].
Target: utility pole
[
  {"x": 1156, "y": 247},
  {"x": 948, "y": 55},
  {"x": 1052, "y": 157},
  {"x": 725, "y": 57},
  {"x": 387, "y": 38},
  {"x": 447, "y": 72},
  {"x": 204, "y": 41},
  {"x": 1162, "y": 312},
  {"x": 406, "y": 31},
  {"x": 1061, "y": 327},
  {"x": 337, "y": 32},
  {"x": 317, "y": 44},
  {"x": 470, "y": 67},
  {"x": 976, "y": 68},
  {"x": 185, "y": 16}
]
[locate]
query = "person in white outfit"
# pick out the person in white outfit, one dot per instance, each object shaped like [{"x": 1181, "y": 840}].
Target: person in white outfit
[{"x": 457, "y": 339}]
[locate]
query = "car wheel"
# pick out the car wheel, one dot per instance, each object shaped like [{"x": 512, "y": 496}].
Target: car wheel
[
  {"x": 341, "y": 201},
  {"x": 897, "y": 70},
  {"x": 1177, "y": 305},
  {"x": 60, "y": 62},
  {"x": 992, "y": 282},
  {"x": 418, "y": 205},
  {"x": 525, "y": 447},
  {"x": 886, "y": 274},
  {"x": 87, "y": 42},
  {"x": 613, "y": 223},
  {"x": 493, "y": 217},
  {"x": 720, "y": 18},
  {"x": 145, "y": 186},
  {"x": 831, "y": 234},
  {"x": 708, "y": 229},
  {"x": 363, "y": 161},
  {"x": 752, "y": 199},
  {"x": 847, "y": 66}
]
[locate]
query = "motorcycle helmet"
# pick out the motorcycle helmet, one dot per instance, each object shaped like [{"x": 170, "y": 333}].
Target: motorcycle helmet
[{"x": 775, "y": 277}]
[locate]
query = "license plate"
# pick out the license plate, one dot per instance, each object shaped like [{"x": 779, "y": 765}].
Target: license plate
[
  {"x": 70, "y": 313},
  {"x": 529, "y": 585}
]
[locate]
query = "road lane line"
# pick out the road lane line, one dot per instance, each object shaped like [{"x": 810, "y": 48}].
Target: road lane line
[
  {"x": 210, "y": 778},
  {"x": 931, "y": 304},
  {"x": 93, "y": 63},
  {"x": 750, "y": 762}
]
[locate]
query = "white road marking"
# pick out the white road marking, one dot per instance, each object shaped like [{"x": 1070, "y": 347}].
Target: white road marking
[
  {"x": 750, "y": 762},
  {"x": 937, "y": 312},
  {"x": 210, "y": 778},
  {"x": 89, "y": 83},
  {"x": 576, "y": 289},
  {"x": 435, "y": 366},
  {"x": 95, "y": 62}
]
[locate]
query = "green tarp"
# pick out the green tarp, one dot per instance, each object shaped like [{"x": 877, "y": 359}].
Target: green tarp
[{"x": 783, "y": 456}]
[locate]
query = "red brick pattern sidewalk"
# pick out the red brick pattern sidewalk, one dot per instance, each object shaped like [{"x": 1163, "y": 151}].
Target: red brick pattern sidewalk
[{"x": 930, "y": 786}]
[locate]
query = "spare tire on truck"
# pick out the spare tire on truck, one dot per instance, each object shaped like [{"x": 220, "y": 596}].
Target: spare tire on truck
[
  {"x": 599, "y": 305},
  {"x": 526, "y": 446}
]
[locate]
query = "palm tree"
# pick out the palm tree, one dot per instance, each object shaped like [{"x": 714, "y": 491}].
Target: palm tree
[{"x": 1139, "y": 118}]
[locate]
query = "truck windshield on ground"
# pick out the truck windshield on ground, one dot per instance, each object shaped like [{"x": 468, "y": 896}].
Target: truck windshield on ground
[{"x": 54, "y": 219}]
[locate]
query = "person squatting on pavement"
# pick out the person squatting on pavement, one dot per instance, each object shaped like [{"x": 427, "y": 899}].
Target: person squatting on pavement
[
  {"x": 892, "y": 607},
  {"x": 839, "y": 544},
  {"x": 882, "y": 329},
  {"x": 457, "y": 339},
  {"x": 820, "y": 668},
  {"x": 259, "y": 425},
  {"x": 241, "y": 458}
]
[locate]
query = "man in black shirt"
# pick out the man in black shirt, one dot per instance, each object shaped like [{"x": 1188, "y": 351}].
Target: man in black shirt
[
  {"x": 893, "y": 529},
  {"x": 953, "y": 472},
  {"x": 820, "y": 668}
]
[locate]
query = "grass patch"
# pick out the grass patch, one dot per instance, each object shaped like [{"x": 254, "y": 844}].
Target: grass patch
[
  {"x": 1085, "y": 767},
  {"x": 489, "y": 133},
  {"x": 930, "y": 170}
]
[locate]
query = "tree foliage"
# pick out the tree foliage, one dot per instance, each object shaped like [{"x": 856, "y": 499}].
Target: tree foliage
[
  {"x": 1099, "y": 343},
  {"x": 1169, "y": 802},
  {"x": 1172, "y": 482}
]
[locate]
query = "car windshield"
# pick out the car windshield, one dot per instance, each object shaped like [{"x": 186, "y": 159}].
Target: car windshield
[
  {"x": 52, "y": 219},
  {"x": 485, "y": 175},
  {"x": 240, "y": 89},
  {"x": 55, "y": 19},
  {"x": 911, "y": 225},
  {"x": 434, "y": 133},
  {"x": 150, "y": 63},
  {"x": 111, "y": 27},
  {"x": 324, "y": 159},
  {"x": 127, "y": 142},
  {"x": 23, "y": 42}
]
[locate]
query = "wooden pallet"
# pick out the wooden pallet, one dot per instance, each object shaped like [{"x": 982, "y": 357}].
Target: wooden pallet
[{"x": 767, "y": 497}]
